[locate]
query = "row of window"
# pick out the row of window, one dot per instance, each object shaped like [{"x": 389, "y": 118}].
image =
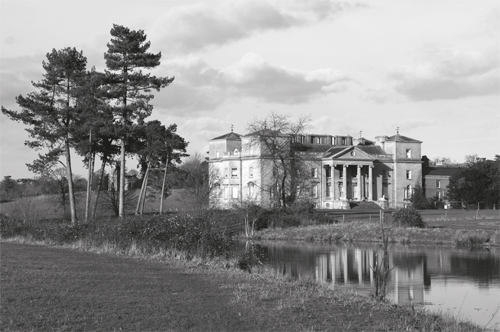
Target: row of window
[
  {"x": 314, "y": 174},
  {"x": 234, "y": 172},
  {"x": 234, "y": 191}
]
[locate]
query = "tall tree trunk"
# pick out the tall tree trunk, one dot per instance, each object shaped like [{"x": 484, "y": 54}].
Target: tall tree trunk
[
  {"x": 121, "y": 205},
  {"x": 89, "y": 180},
  {"x": 103, "y": 166},
  {"x": 163, "y": 186},
  {"x": 143, "y": 199},
  {"x": 142, "y": 194},
  {"x": 69, "y": 176}
]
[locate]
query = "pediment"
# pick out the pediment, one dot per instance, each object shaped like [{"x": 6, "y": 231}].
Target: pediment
[{"x": 352, "y": 154}]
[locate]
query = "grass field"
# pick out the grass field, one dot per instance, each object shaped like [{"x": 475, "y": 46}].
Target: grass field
[
  {"x": 48, "y": 206},
  {"x": 59, "y": 289}
]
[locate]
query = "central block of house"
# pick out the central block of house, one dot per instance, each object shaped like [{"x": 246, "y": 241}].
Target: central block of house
[{"x": 330, "y": 172}]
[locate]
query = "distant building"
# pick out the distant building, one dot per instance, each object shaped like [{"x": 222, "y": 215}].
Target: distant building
[
  {"x": 342, "y": 169},
  {"x": 436, "y": 180}
]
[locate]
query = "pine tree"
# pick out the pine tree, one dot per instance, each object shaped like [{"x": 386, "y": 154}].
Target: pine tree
[
  {"x": 50, "y": 112},
  {"x": 128, "y": 86}
]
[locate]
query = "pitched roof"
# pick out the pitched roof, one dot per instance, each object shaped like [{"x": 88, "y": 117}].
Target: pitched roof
[
  {"x": 303, "y": 147},
  {"x": 372, "y": 149},
  {"x": 335, "y": 150},
  {"x": 401, "y": 138},
  {"x": 446, "y": 171},
  {"x": 229, "y": 136}
]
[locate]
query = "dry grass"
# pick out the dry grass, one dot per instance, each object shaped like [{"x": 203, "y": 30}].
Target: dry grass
[{"x": 363, "y": 231}]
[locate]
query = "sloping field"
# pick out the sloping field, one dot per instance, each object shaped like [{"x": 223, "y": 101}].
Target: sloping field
[{"x": 49, "y": 207}]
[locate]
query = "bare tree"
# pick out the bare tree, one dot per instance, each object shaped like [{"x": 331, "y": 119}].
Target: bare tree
[
  {"x": 276, "y": 138},
  {"x": 199, "y": 181}
]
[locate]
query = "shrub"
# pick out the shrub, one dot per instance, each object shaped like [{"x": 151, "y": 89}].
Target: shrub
[
  {"x": 184, "y": 233},
  {"x": 472, "y": 240},
  {"x": 408, "y": 217}
]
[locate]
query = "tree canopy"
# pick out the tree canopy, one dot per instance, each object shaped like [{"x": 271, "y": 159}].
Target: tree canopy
[
  {"x": 477, "y": 182},
  {"x": 51, "y": 112},
  {"x": 128, "y": 87}
]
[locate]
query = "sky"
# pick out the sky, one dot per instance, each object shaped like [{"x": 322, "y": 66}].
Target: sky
[{"x": 429, "y": 68}]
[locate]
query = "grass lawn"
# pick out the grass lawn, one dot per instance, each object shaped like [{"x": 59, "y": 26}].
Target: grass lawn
[{"x": 59, "y": 289}]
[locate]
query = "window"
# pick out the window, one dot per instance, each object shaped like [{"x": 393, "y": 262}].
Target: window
[
  {"x": 217, "y": 190},
  {"x": 314, "y": 191},
  {"x": 250, "y": 189},
  {"x": 408, "y": 192},
  {"x": 384, "y": 174},
  {"x": 408, "y": 175},
  {"x": 314, "y": 172},
  {"x": 341, "y": 173},
  {"x": 234, "y": 173},
  {"x": 217, "y": 153},
  {"x": 438, "y": 183},
  {"x": 226, "y": 192},
  {"x": 250, "y": 172},
  {"x": 234, "y": 191},
  {"x": 236, "y": 151},
  {"x": 438, "y": 194},
  {"x": 328, "y": 189},
  {"x": 408, "y": 153},
  {"x": 328, "y": 171}
]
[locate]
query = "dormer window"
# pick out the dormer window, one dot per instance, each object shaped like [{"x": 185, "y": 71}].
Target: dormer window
[
  {"x": 236, "y": 151},
  {"x": 408, "y": 153}
]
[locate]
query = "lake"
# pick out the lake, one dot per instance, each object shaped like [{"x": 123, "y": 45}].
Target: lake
[{"x": 462, "y": 282}]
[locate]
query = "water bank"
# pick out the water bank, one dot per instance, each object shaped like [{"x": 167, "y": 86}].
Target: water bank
[{"x": 363, "y": 231}]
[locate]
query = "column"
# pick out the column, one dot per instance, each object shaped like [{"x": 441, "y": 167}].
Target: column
[
  {"x": 346, "y": 275},
  {"x": 370, "y": 183},
  {"x": 333, "y": 184},
  {"x": 333, "y": 265},
  {"x": 344, "y": 181},
  {"x": 359, "y": 183}
]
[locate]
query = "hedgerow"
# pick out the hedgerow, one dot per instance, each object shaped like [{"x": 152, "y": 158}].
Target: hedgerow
[{"x": 152, "y": 233}]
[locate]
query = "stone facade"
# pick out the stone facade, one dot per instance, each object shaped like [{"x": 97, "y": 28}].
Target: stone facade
[{"x": 341, "y": 169}]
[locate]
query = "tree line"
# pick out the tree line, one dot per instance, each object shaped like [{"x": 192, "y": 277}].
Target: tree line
[{"x": 99, "y": 114}]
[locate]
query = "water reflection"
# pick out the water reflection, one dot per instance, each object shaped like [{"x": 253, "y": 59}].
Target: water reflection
[{"x": 418, "y": 274}]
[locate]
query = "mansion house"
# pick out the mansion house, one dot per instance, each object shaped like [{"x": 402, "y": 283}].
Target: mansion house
[{"x": 339, "y": 169}]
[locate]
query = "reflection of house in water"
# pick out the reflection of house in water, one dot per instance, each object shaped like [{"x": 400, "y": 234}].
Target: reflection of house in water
[
  {"x": 350, "y": 266},
  {"x": 410, "y": 276},
  {"x": 345, "y": 266},
  {"x": 409, "y": 279}
]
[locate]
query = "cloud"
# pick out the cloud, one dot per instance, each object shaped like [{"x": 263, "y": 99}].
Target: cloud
[
  {"x": 9, "y": 40},
  {"x": 449, "y": 75},
  {"x": 200, "y": 87},
  {"x": 193, "y": 27},
  {"x": 377, "y": 95},
  {"x": 254, "y": 77},
  {"x": 17, "y": 74}
]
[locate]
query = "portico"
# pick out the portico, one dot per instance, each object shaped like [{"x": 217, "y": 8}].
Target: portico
[{"x": 349, "y": 180}]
